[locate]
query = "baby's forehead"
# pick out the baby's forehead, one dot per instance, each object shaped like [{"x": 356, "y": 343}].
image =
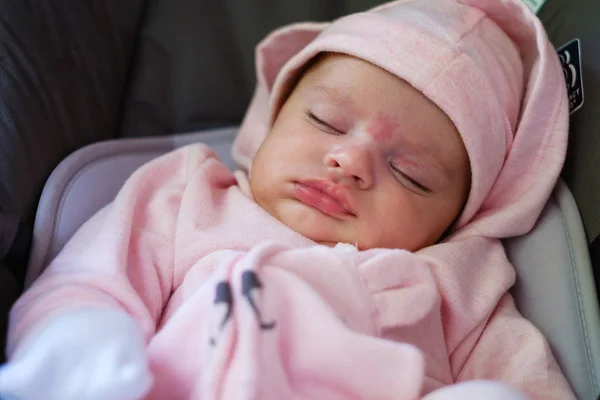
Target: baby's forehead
[
  {"x": 329, "y": 81},
  {"x": 331, "y": 75}
]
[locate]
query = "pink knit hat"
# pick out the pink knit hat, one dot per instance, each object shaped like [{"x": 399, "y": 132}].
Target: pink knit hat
[{"x": 486, "y": 63}]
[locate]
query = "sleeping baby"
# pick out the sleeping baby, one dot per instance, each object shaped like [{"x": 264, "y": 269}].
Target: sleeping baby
[{"x": 356, "y": 253}]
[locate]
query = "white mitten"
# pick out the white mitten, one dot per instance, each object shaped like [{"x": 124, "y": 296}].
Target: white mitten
[{"x": 88, "y": 354}]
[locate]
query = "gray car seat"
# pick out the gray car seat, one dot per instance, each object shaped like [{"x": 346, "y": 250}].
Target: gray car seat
[
  {"x": 192, "y": 70},
  {"x": 564, "y": 21}
]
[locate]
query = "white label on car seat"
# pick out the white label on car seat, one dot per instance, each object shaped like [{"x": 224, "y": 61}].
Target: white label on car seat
[
  {"x": 535, "y": 5},
  {"x": 569, "y": 55}
]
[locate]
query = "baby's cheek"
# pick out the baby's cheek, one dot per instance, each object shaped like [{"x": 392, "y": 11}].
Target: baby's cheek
[{"x": 407, "y": 230}]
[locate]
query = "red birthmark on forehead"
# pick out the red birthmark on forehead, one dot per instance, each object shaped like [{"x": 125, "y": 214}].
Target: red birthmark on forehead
[{"x": 382, "y": 127}]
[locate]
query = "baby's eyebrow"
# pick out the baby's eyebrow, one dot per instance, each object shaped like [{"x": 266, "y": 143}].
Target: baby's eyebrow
[
  {"x": 335, "y": 95},
  {"x": 417, "y": 151}
]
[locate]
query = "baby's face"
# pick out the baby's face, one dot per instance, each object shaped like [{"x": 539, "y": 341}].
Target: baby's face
[{"x": 357, "y": 155}]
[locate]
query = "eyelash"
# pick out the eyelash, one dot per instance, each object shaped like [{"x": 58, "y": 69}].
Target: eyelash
[
  {"x": 411, "y": 180},
  {"x": 322, "y": 123}
]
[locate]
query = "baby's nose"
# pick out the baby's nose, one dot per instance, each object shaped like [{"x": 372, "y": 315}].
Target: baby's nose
[{"x": 351, "y": 164}]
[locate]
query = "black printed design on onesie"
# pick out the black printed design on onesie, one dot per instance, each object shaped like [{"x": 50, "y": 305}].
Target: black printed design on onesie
[
  {"x": 250, "y": 282},
  {"x": 224, "y": 295}
]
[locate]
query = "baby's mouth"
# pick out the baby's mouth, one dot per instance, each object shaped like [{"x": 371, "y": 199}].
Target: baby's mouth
[{"x": 328, "y": 198}]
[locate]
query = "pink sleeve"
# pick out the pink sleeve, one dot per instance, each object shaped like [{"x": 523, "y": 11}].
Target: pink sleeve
[
  {"x": 121, "y": 258},
  {"x": 512, "y": 350}
]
